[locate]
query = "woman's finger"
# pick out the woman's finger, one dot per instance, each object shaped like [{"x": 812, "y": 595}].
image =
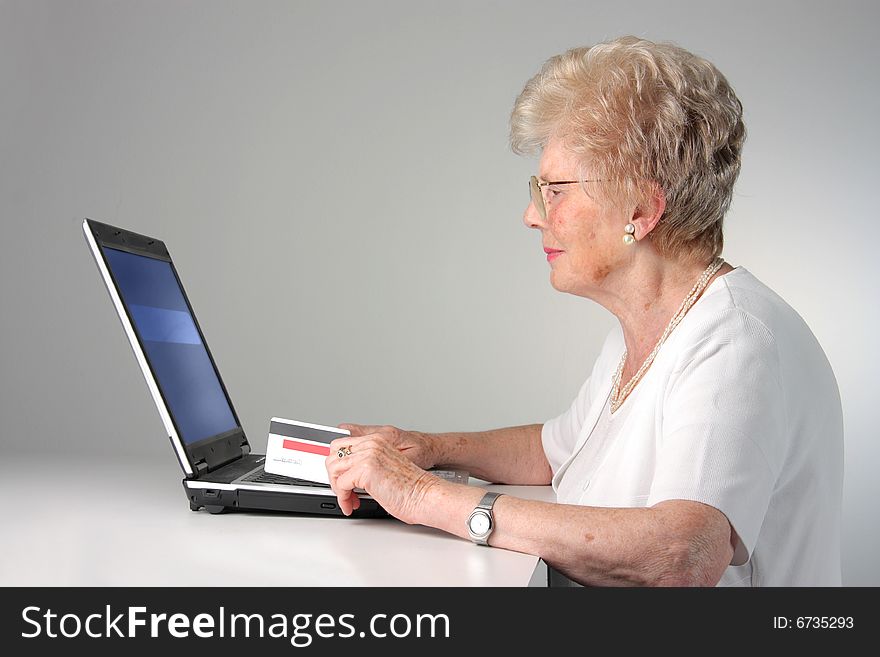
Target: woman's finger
[
  {"x": 338, "y": 469},
  {"x": 345, "y": 443},
  {"x": 359, "y": 429},
  {"x": 346, "y": 482}
]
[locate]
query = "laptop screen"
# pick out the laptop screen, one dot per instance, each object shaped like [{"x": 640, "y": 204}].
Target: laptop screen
[{"x": 162, "y": 319}]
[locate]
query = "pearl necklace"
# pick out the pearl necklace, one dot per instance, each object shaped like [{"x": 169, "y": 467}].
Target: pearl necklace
[{"x": 618, "y": 396}]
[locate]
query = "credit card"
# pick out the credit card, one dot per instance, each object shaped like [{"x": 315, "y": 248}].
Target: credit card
[{"x": 298, "y": 449}]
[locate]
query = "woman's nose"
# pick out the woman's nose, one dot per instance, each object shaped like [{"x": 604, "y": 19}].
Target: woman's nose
[{"x": 531, "y": 217}]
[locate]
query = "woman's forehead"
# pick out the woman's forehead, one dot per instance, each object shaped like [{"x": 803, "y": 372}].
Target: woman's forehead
[{"x": 558, "y": 162}]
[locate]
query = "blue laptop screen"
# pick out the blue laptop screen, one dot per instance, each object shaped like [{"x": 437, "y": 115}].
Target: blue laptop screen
[{"x": 173, "y": 346}]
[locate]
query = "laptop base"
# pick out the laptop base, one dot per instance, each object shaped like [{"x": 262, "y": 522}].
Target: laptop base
[{"x": 218, "y": 500}]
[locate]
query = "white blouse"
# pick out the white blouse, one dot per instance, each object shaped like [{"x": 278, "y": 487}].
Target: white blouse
[{"x": 740, "y": 410}]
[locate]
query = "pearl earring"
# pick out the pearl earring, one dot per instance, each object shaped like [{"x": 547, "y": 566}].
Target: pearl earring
[{"x": 628, "y": 238}]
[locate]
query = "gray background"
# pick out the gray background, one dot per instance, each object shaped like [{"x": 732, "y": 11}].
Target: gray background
[{"x": 334, "y": 183}]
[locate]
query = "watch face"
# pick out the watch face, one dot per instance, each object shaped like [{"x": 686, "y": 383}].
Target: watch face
[{"x": 479, "y": 523}]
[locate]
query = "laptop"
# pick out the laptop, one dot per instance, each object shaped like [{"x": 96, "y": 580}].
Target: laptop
[{"x": 220, "y": 471}]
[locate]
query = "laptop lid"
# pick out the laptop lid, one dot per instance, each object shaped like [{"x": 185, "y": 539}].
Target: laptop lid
[{"x": 169, "y": 346}]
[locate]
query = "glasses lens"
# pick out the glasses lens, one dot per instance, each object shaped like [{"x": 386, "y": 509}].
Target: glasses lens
[{"x": 537, "y": 197}]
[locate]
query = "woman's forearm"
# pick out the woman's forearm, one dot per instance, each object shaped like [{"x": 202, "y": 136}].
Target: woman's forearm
[
  {"x": 513, "y": 455},
  {"x": 678, "y": 543}
]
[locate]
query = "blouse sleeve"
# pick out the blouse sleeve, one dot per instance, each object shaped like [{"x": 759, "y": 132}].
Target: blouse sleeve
[
  {"x": 724, "y": 429},
  {"x": 559, "y": 435}
]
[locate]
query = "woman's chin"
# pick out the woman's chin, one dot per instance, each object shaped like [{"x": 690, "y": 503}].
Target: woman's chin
[{"x": 558, "y": 282}]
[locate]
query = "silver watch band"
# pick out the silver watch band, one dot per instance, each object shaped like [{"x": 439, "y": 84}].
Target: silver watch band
[{"x": 488, "y": 501}]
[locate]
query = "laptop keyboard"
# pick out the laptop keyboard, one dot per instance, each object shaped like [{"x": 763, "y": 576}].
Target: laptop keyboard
[{"x": 262, "y": 477}]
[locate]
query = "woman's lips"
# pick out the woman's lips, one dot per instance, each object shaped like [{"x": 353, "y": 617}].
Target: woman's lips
[{"x": 552, "y": 254}]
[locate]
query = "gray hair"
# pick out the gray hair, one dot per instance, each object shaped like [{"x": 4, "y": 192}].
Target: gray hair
[{"x": 641, "y": 114}]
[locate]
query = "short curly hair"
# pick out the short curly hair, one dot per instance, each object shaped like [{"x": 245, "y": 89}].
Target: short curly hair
[{"x": 639, "y": 114}]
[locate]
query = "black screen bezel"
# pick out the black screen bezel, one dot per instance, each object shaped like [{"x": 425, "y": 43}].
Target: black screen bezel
[{"x": 214, "y": 451}]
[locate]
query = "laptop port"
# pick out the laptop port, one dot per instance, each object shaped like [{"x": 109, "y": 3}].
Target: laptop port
[
  {"x": 212, "y": 493},
  {"x": 328, "y": 505}
]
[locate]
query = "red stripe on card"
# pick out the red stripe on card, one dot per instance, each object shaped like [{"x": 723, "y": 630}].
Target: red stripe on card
[{"x": 306, "y": 447}]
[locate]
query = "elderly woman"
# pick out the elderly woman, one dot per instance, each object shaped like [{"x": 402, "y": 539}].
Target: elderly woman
[{"x": 706, "y": 445}]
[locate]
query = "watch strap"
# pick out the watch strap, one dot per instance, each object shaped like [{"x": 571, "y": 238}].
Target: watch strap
[{"x": 488, "y": 501}]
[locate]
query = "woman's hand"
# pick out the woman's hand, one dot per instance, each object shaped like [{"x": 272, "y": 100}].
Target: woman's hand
[
  {"x": 374, "y": 463},
  {"x": 412, "y": 444}
]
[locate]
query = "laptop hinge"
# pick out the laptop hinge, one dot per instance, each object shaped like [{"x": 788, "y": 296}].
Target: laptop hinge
[
  {"x": 216, "y": 452},
  {"x": 201, "y": 468}
]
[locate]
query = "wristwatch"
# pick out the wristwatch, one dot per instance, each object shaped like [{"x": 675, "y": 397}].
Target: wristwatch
[{"x": 481, "y": 522}]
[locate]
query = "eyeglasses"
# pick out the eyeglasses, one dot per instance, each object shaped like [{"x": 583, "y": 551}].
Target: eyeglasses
[{"x": 536, "y": 189}]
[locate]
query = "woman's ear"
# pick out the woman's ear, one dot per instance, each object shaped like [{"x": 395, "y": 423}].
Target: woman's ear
[{"x": 649, "y": 212}]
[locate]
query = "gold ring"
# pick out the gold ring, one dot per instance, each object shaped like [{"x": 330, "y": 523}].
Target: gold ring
[{"x": 344, "y": 451}]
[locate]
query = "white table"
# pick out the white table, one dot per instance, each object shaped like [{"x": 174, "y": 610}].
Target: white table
[{"x": 106, "y": 523}]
